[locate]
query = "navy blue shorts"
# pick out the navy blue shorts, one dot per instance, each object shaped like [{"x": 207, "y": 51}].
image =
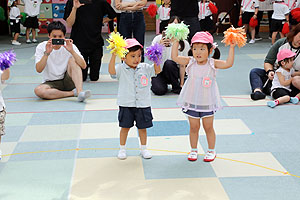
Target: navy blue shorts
[
  {"x": 141, "y": 116},
  {"x": 199, "y": 115}
]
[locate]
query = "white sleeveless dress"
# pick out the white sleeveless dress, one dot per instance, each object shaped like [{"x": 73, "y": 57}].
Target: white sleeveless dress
[{"x": 200, "y": 91}]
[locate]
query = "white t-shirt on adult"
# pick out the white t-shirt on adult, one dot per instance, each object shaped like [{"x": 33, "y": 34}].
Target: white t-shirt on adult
[
  {"x": 168, "y": 50},
  {"x": 204, "y": 10},
  {"x": 287, "y": 75},
  {"x": 280, "y": 10},
  {"x": 2, "y": 104},
  {"x": 266, "y": 5},
  {"x": 14, "y": 13},
  {"x": 249, "y": 5},
  {"x": 296, "y": 65},
  {"x": 32, "y": 7},
  {"x": 164, "y": 13},
  {"x": 57, "y": 62}
]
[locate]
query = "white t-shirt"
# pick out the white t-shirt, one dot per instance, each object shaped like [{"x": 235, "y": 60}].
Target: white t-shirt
[
  {"x": 292, "y": 4},
  {"x": 280, "y": 10},
  {"x": 168, "y": 50},
  {"x": 2, "y": 104},
  {"x": 14, "y": 13},
  {"x": 296, "y": 65},
  {"x": 32, "y": 7},
  {"x": 164, "y": 13},
  {"x": 57, "y": 62},
  {"x": 204, "y": 10},
  {"x": 266, "y": 5},
  {"x": 287, "y": 75},
  {"x": 249, "y": 5}
]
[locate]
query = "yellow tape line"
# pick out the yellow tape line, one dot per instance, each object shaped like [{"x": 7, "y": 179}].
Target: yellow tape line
[{"x": 179, "y": 152}]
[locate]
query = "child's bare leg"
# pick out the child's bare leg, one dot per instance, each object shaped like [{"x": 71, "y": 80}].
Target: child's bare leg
[
  {"x": 143, "y": 136},
  {"x": 194, "y": 132},
  {"x": 208, "y": 125},
  {"x": 123, "y": 135},
  {"x": 33, "y": 33},
  {"x": 284, "y": 99},
  {"x": 16, "y": 36},
  {"x": 27, "y": 33},
  {"x": 274, "y": 34}
]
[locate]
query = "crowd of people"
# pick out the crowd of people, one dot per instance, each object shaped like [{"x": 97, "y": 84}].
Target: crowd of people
[{"x": 187, "y": 64}]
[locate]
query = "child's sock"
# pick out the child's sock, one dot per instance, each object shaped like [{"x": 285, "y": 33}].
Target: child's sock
[
  {"x": 122, "y": 147},
  {"x": 211, "y": 150},
  {"x": 294, "y": 100},
  {"x": 143, "y": 147},
  {"x": 194, "y": 149},
  {"x": 272, "y": 104}
]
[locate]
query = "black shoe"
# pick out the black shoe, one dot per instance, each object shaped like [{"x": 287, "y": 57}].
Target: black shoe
[
  {"x": 176, "y": 90},
  {"x": 257, "y": 95}
]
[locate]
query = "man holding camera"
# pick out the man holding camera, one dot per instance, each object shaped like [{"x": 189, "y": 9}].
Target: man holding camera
[
  {"x": 60, "y": 63},
  {"x": 85, "y": 17}
]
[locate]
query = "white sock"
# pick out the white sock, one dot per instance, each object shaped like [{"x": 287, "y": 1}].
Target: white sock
[
  {"x": 143, "y": 147},
  {"x": 122, "y": 147}
]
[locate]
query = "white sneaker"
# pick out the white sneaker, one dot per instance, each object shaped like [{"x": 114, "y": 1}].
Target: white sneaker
[
  {"x": 122, "y": 154},
  {"x": 193, "y": 156},
  {"x": 15, "y": 42},
  {"x": 28, "y": 41},
  {"x": 210, "y": 156},
  {"x": 84, "y": 95},
  {"x": 251, "y": 41},
  {"x": 34, "y": 41},
  {"x": 146, "y": 154}
]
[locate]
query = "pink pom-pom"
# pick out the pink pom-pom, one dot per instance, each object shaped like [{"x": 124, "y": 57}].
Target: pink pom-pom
[
  {"x": 152, "y": 9},
  {"x": 213, "y": 8}
]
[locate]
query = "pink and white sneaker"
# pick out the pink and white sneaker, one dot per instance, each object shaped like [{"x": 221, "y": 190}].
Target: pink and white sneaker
[
  {"x": 210, "y": 156},
  {"x": 193, "y": 155}
]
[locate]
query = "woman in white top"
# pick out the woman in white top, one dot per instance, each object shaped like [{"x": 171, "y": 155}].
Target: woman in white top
[
  {"x": 172, "y": 73},
  {"x": 132, "y": 22}
]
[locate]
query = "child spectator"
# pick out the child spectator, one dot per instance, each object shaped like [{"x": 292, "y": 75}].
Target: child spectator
[
  {"x": 164, "y": 15},
  {"x": 14, "y": 18}
]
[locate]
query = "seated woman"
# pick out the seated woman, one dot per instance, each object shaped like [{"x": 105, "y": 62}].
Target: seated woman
[
  {"x": 261, "y": 79},
  {"x": 171, "y": 73}
]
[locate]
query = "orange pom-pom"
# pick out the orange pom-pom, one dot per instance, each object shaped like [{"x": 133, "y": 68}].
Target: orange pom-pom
[
  {"x": 152, "y": 9},
  {"x": 285, "y": 28},
  {"x": 213, "y": 8},
  {"x": 253, "y": 22},
  {"x": 240, "y": 22},
  {"x": 235, "y": 36}
]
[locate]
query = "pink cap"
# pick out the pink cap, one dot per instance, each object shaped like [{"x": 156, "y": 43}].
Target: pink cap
[
  {"x": 203, "y": 37},
  {"x": 285, "y": 53},
  {"x": 132, "y": 42}
]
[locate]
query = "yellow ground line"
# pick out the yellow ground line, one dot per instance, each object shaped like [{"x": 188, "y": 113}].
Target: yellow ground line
[{"x": 180, "y": 152}]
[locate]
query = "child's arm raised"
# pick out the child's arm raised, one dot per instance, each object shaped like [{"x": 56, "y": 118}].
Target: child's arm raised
[
  {"x": 112, "y": 65},
  {"x": 282, "y": 81},
  {"x": 157, "y": 68},
  {"x": 222, "y": 64},
  {"x": 181, "y": 60},
  {"x": 5, "y": 75}
]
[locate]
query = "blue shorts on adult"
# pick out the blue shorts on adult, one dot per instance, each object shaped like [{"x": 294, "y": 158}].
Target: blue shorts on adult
[
  {"x": 141, "y": 116},
  {"x": 198, "y": 115}
]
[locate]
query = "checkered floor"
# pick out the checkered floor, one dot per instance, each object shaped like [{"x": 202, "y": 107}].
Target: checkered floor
[{"x": 62, "y": 149}]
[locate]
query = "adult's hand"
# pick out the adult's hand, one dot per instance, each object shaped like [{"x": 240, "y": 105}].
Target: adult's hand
[
  {"x": 49, "y": 46},
  {"x": 77, "y": 4}
]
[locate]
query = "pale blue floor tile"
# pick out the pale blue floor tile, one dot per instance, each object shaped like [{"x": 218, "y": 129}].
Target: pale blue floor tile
[
  {"x": 171, "y": 167},
  {"x": 56, "y": 118},
  {"x": 266, "y": 188},
  {"x": 168, "y": 128},
  {"x": 13, "y": 133},
  {"x": 290, "y": 161},
  {"x": 28, "y": 147}
]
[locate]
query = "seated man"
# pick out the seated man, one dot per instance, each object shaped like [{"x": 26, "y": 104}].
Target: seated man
[{"x": 60, "y": 63}]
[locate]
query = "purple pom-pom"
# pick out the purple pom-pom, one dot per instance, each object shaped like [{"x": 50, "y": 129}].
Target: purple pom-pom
[
  {"x": 7, "y": 59},
  {"x": 154, "y": 53}
]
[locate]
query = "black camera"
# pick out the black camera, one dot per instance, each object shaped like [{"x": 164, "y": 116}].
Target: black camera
[
  {"x": 85, "y": 1},
  {"x": 58, "y": 41}
]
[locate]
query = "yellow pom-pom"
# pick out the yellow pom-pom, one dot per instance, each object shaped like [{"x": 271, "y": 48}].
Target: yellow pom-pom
[
  {"x": 117, "y": 44},
  {"x": 235, "y": 36}
]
